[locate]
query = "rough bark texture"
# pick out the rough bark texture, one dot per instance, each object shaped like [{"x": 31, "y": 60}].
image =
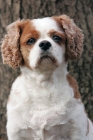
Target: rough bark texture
[{"x": 82, "y": 13}]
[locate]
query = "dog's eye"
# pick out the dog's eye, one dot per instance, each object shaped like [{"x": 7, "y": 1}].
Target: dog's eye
[
  {"x": 31, "y": 41},
  {"x": 57, "y": 38}
]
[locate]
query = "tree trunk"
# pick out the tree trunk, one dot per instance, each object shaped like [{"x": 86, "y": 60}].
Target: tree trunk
[{"x": 82, "y": 13}]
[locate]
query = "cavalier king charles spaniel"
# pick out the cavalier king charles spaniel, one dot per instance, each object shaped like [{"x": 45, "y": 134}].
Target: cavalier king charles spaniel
[{"x": 45, "y": 103}]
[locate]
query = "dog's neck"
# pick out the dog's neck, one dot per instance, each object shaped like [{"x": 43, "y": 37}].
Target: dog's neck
[
  {"x": 48, "y": 84},
  {"x": 45, "y": 76}
]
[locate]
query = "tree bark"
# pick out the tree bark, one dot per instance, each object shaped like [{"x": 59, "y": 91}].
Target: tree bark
[{"x": 82, "y": 13}]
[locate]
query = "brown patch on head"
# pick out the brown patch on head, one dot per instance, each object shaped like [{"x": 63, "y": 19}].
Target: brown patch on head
[
  {"x": 57, "y": 19},
  {"x": 28, "y": 32},
  {"x": 14, "y": 51},
  {"x": 74, "y": 85},
  {"x": 60, "y": 34},
  {"x": 74, "y": 36}
]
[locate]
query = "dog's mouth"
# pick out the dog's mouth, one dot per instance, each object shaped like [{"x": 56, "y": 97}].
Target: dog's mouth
[
  {"x": 47, "y": 58},
  {"x": 46, "y": 61}
]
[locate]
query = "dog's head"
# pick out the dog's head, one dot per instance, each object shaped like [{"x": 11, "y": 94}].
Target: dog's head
[{"x": 38, "y": 43}]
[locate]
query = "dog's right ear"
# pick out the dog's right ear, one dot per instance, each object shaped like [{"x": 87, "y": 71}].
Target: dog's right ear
[
  {"x": 74, "y": 36},
  {"x": 11, "y": 46}
]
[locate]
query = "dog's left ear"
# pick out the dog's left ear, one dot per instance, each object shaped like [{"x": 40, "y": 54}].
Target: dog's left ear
[
  {"x": 10, "y": 46},
  {"x": 74, "y": 37}
]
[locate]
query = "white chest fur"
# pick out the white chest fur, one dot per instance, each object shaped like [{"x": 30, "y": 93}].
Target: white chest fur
[{"x": 44, "y": 108}]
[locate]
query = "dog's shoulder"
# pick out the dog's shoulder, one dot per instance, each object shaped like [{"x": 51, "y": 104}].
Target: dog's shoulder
[
  {"x": 17, "y": 91},
  {"x": 73, "y": 83},
  {"x": 18, "y": 81}
]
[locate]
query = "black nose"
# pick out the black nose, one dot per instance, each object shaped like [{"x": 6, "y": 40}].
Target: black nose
[{"x": 45, "y": 45}]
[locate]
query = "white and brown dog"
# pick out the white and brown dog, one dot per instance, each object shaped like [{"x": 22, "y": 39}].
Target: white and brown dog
[{"x": 44, "y": 102}]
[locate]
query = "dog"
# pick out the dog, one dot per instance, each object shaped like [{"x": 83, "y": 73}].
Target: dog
[{"x": 45, "y": 103}]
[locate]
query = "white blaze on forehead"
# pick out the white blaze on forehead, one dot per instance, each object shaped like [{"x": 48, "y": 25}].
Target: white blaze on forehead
[{"x": 44, "y": 25}]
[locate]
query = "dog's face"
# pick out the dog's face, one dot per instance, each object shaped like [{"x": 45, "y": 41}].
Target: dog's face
[{"x": 42, "y": 43}]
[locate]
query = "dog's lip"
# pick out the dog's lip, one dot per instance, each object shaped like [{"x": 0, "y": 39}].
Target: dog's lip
[{"x": 47, "y": 57}]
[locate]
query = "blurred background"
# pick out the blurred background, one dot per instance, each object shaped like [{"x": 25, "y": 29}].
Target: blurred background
[{"x": 82, "y": 13}]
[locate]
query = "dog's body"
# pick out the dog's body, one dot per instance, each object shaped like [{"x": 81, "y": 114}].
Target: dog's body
[
  {"x": 45, "y": 103},
  {"x": 43, "y": 107}
]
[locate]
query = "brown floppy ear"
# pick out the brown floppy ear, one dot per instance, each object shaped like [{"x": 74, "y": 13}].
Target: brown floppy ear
[
  {"x": 10, "y": 45},
  {"x": 74, "y": 37}
]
